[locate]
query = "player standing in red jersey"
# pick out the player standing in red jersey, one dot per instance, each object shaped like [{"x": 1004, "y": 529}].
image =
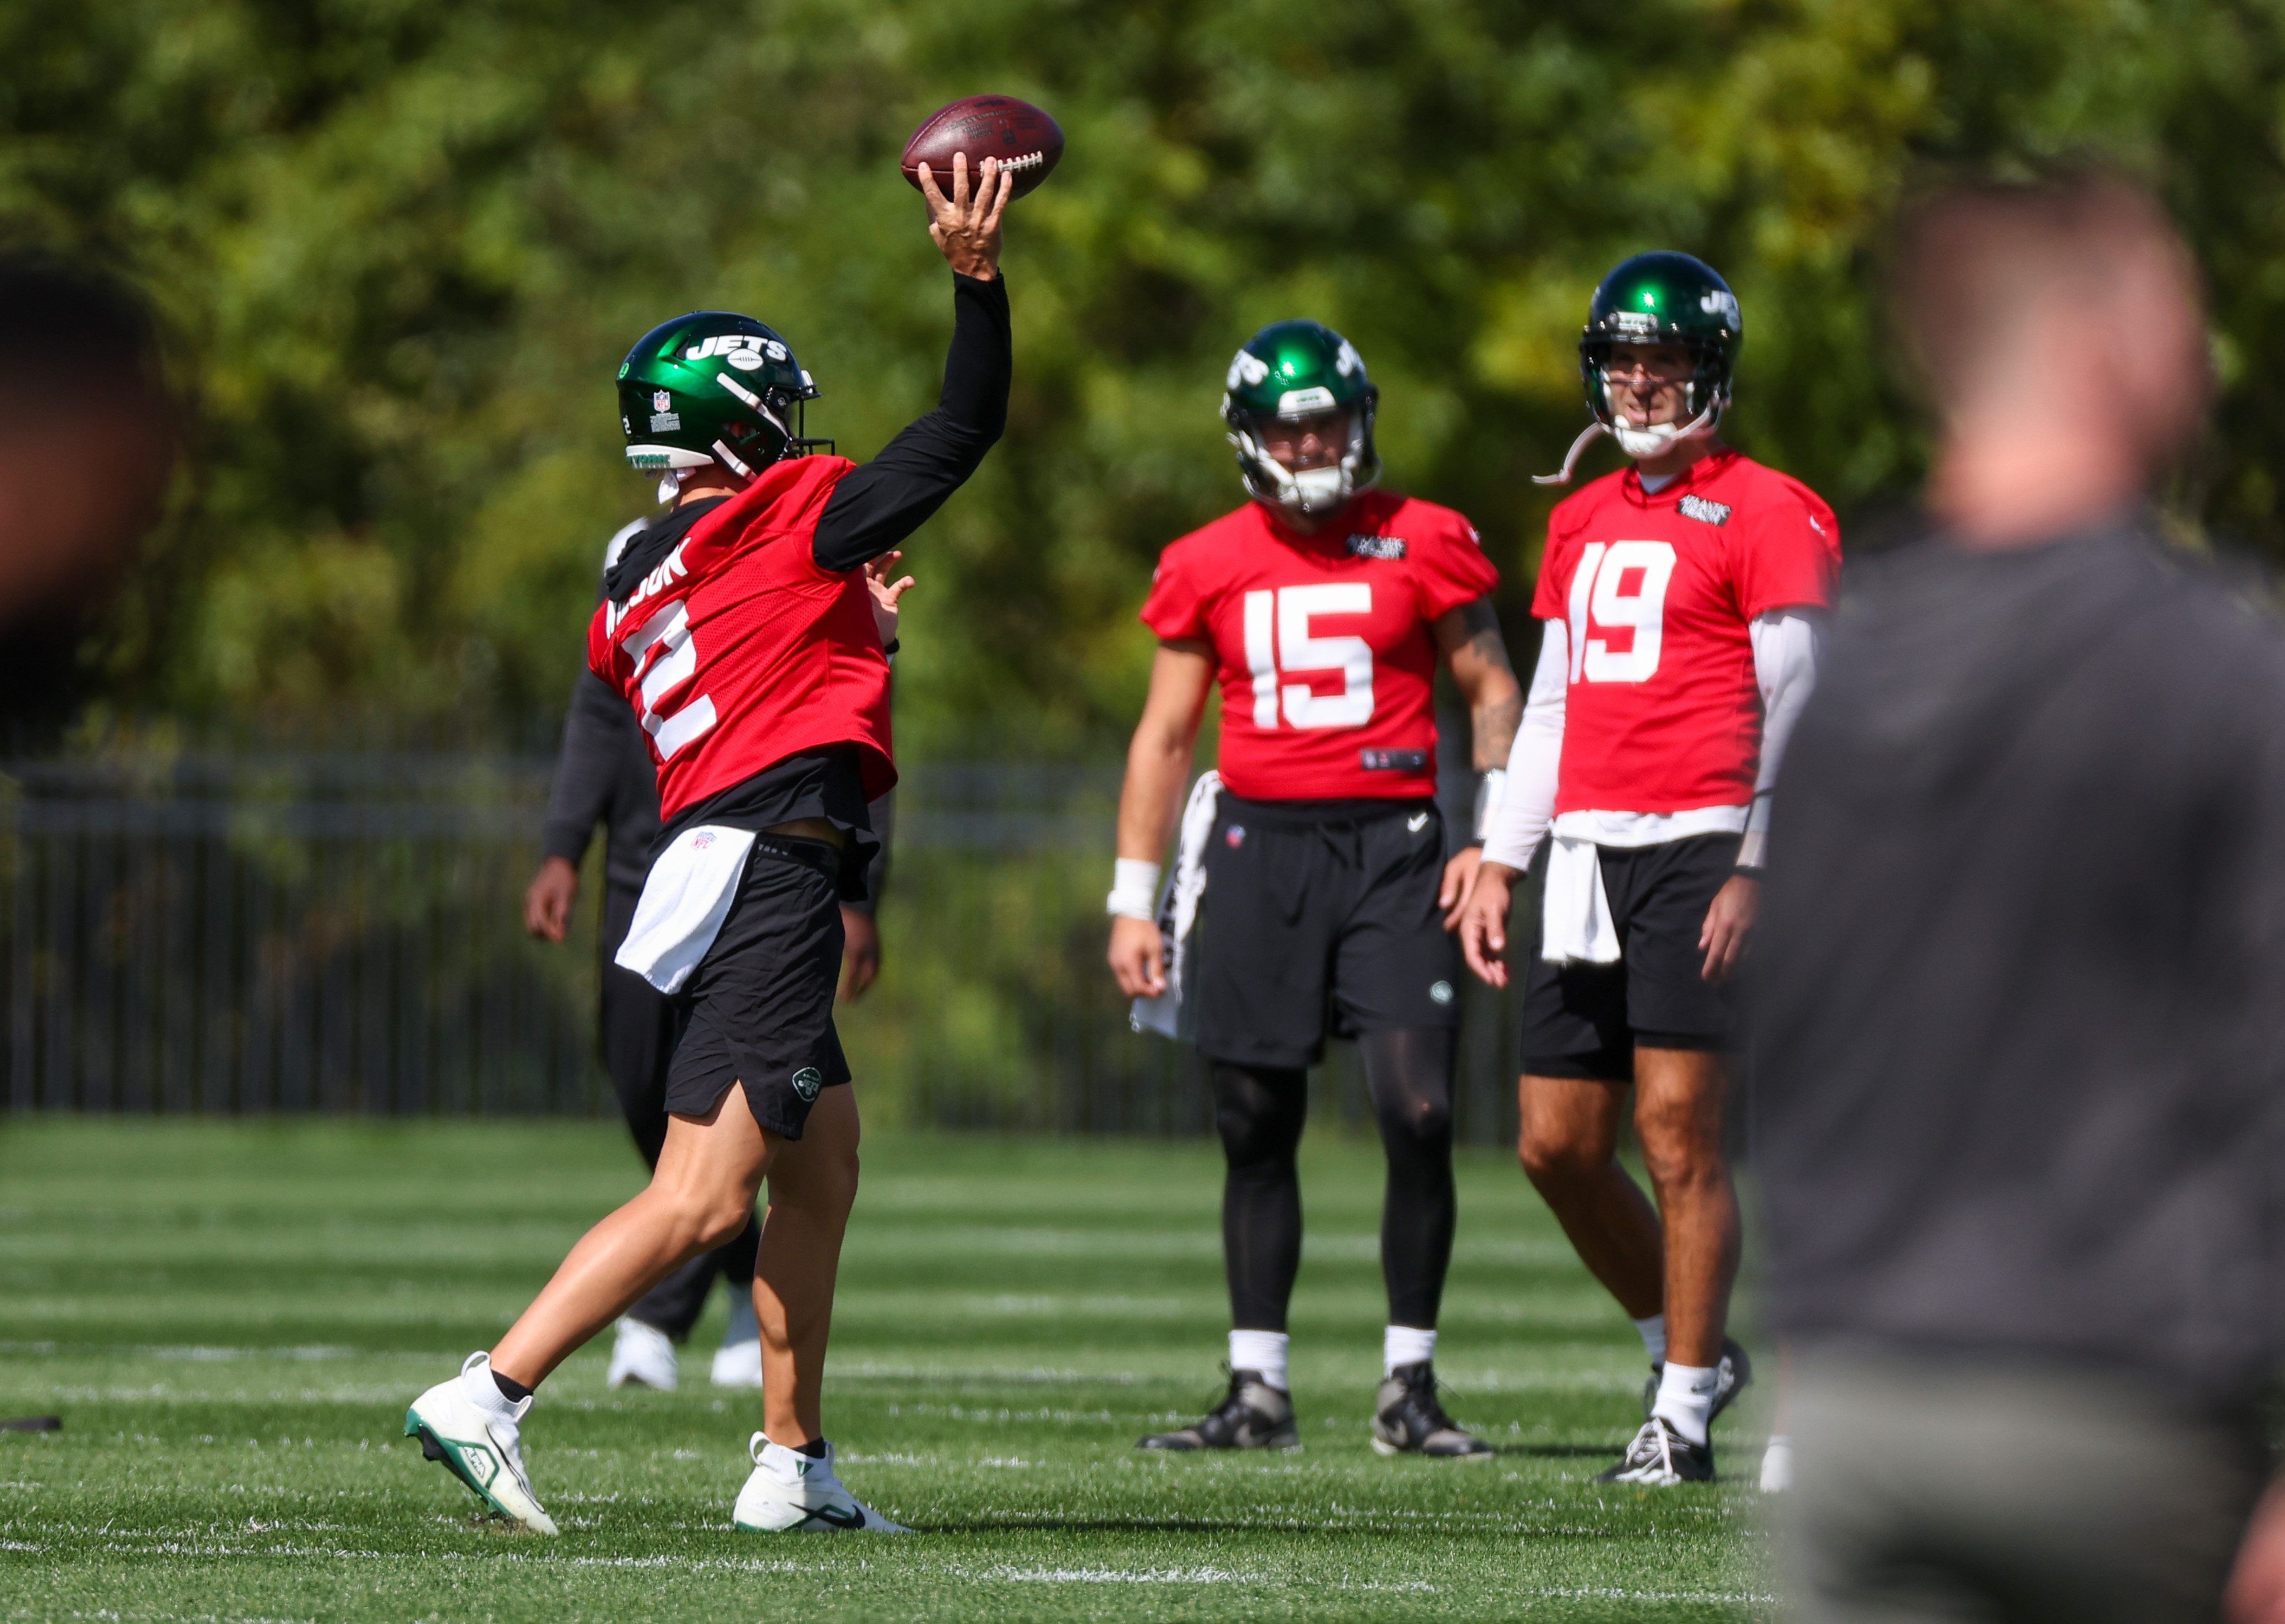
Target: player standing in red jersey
[
  {"x": 1315, "y": 864},
  {"x": 739, "y": 627},
  {"x": 1680, "y": 601}
]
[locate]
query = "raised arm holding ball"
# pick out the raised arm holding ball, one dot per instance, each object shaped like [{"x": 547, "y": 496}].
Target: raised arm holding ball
[{"x": 741, "y": 627}]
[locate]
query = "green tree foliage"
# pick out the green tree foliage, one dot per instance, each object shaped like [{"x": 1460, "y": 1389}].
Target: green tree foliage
[{"x": 402, "y": 243}]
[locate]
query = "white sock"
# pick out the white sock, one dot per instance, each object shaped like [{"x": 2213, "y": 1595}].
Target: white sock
[
  {"x": 484, "y": 1393},
  {"x": 1653, "y": 1335},
  {"x": 1261, "y": 1352},
  {"x": 1405, "y": 1344},
  {"x": 1686, "y": 1399}
]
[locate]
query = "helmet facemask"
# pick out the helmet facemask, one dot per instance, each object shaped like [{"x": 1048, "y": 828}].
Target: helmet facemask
[
  {"x": 1705, "y": 394},
  {"x": 1310, "y": 493}
]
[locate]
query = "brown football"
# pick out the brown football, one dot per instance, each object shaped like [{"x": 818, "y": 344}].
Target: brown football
[{"x": 1022, "y": 138}]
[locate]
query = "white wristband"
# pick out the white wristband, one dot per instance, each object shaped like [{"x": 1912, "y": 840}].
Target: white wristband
[
  {"x": 1133, "y": 889},
  {"x": 1491, "y": 790}
]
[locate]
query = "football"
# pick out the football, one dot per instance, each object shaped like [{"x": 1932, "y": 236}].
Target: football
[{"x": 1022, "y": 138}]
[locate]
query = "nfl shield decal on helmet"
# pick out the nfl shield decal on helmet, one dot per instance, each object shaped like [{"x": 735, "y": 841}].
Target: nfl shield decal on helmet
[{"x": 661, "y": 401}]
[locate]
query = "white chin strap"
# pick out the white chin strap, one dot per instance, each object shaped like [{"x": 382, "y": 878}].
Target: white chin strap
[
  {"x": 1637, "y": 443},
  {"x": 671, "y": 484}
]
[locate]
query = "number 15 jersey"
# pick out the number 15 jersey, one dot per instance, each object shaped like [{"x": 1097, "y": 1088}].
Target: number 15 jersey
[
  {"x": 1326, "y": 663},
  {"x": 1663, "y": 713}
]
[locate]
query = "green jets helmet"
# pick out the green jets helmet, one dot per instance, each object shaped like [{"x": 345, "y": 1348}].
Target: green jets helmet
[
  {"x": 1658, "y": 298},
  {"x": 1289, "y": 371},
  {"x": 713, "y": 386}
]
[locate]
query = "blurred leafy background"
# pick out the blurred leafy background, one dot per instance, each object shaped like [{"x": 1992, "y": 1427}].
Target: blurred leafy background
[{"x": 399, "y": 245}]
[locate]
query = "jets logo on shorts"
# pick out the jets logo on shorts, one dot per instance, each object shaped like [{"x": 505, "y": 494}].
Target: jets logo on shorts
[
  {"x": 1441, "y": 992},
  {"x": 807, "y": 1082}
]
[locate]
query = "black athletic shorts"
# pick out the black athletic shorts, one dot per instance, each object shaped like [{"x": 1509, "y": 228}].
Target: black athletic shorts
[
  {"x": 1320, "y": 919},
  {"x": 758, "y": 1009},
  {"x": 1584, "y": 1020}
]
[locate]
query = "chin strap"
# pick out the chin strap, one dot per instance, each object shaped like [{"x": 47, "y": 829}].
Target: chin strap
[
  {"x": 1701, "y": 424},
  {"x": 1562, "y": 477}
]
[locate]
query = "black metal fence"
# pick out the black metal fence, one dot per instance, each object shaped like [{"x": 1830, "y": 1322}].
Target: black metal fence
[{"x": 243, "y": 932}]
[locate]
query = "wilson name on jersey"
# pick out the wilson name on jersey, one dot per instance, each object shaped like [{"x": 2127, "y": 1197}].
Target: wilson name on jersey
[
  {"x": 1322, "y": 642},
  {"x": 1662, "y": 713}
]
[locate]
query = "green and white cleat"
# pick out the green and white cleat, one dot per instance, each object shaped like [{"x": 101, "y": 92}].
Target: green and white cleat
[
  {"x": 790, "y": 1492},
  {"x": 471, "y": 1430}
]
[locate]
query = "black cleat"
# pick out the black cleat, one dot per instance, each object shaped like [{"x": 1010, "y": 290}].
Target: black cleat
[
  {"x": 1733, "y": 1373},
  {"x": 1660, "y": 1456},
  {"x": 1411, "y": 1421},
  {"x": 1254, "y": 1415}
]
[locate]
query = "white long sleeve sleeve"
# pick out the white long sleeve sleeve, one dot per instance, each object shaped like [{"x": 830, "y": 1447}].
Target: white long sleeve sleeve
[
  {"x": 1536, "y": 756},
  {"x": 1786, "y": 645}
]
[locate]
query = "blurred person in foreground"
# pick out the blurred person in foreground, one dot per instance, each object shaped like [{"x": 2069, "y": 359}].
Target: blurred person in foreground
[
  {"x": 2020, "y": 1038},
  {"x": 90, "y": 439},
  {"x": 739, "y": 627},
  {"x": 603, "y": 774}
]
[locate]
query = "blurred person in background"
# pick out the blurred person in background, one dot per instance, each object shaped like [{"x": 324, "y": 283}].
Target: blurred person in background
[
  {"x": 1681, "y": 602},
  {"x": 603, "y": 774},
  {"x": 1315, "y": 863},
  {"x": 740, "y": 628},
  {"x": 2021, "y": 989},
  {"x": 90, "y": 439}
]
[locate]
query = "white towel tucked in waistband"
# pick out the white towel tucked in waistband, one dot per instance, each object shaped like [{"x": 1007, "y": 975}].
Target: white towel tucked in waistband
[
  {"x": 684, "y": 902},
  {"x": 1178, "y": 910},
  {"x": 1575, "y": 917}
]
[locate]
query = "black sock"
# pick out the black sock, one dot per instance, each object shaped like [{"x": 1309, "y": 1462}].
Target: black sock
[
  {"x": 814, "y": 1448},
  {"x": 514, "y": 1392}
]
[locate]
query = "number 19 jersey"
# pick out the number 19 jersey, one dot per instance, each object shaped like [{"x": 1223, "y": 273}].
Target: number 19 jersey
[
  {"x": 1663, "y": 712},
  {"x": 1326, "y": 663}
]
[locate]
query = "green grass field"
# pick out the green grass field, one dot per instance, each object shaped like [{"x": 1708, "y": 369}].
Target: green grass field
[{"x": 229, "y": 1320}]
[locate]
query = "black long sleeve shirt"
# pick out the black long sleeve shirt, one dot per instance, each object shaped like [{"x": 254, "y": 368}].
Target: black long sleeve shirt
[
  {"x": 2020, "y": 1047},
  {"x": 875, "y": 507}
]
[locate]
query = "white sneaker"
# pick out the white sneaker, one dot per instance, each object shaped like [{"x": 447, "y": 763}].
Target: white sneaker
[
  {"x": 738, "y": 1361},
  {"x": 469, "y": 1428},
  {"x": 1777, "y": 1465},
  {"x": 738, "y": 1364},
  {"x": 790, "y": 1491},
  {"x": 642, "y": 1357}
]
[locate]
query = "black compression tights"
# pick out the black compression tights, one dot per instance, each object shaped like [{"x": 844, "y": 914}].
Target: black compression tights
[{"x": 1259, "y": 1110}]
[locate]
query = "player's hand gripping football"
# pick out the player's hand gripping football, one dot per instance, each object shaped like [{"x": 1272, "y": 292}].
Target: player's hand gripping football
[
  {"x": 1729, "y": 925},
  {"x": 967, "y": 230},
  {"x": 1483, "y": 923}
]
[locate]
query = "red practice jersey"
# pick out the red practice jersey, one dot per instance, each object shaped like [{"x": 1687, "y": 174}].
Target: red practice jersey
[
  {"x": 1326, "y": 662},
  {"x": 737, "y": 651},
  {"x": 1663, "y": 714}
]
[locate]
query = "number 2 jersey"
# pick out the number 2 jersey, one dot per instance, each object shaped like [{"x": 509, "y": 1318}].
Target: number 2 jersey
[
  {"x": 1657, "y": 592},
  {"x": 1326, "y": 663}
]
